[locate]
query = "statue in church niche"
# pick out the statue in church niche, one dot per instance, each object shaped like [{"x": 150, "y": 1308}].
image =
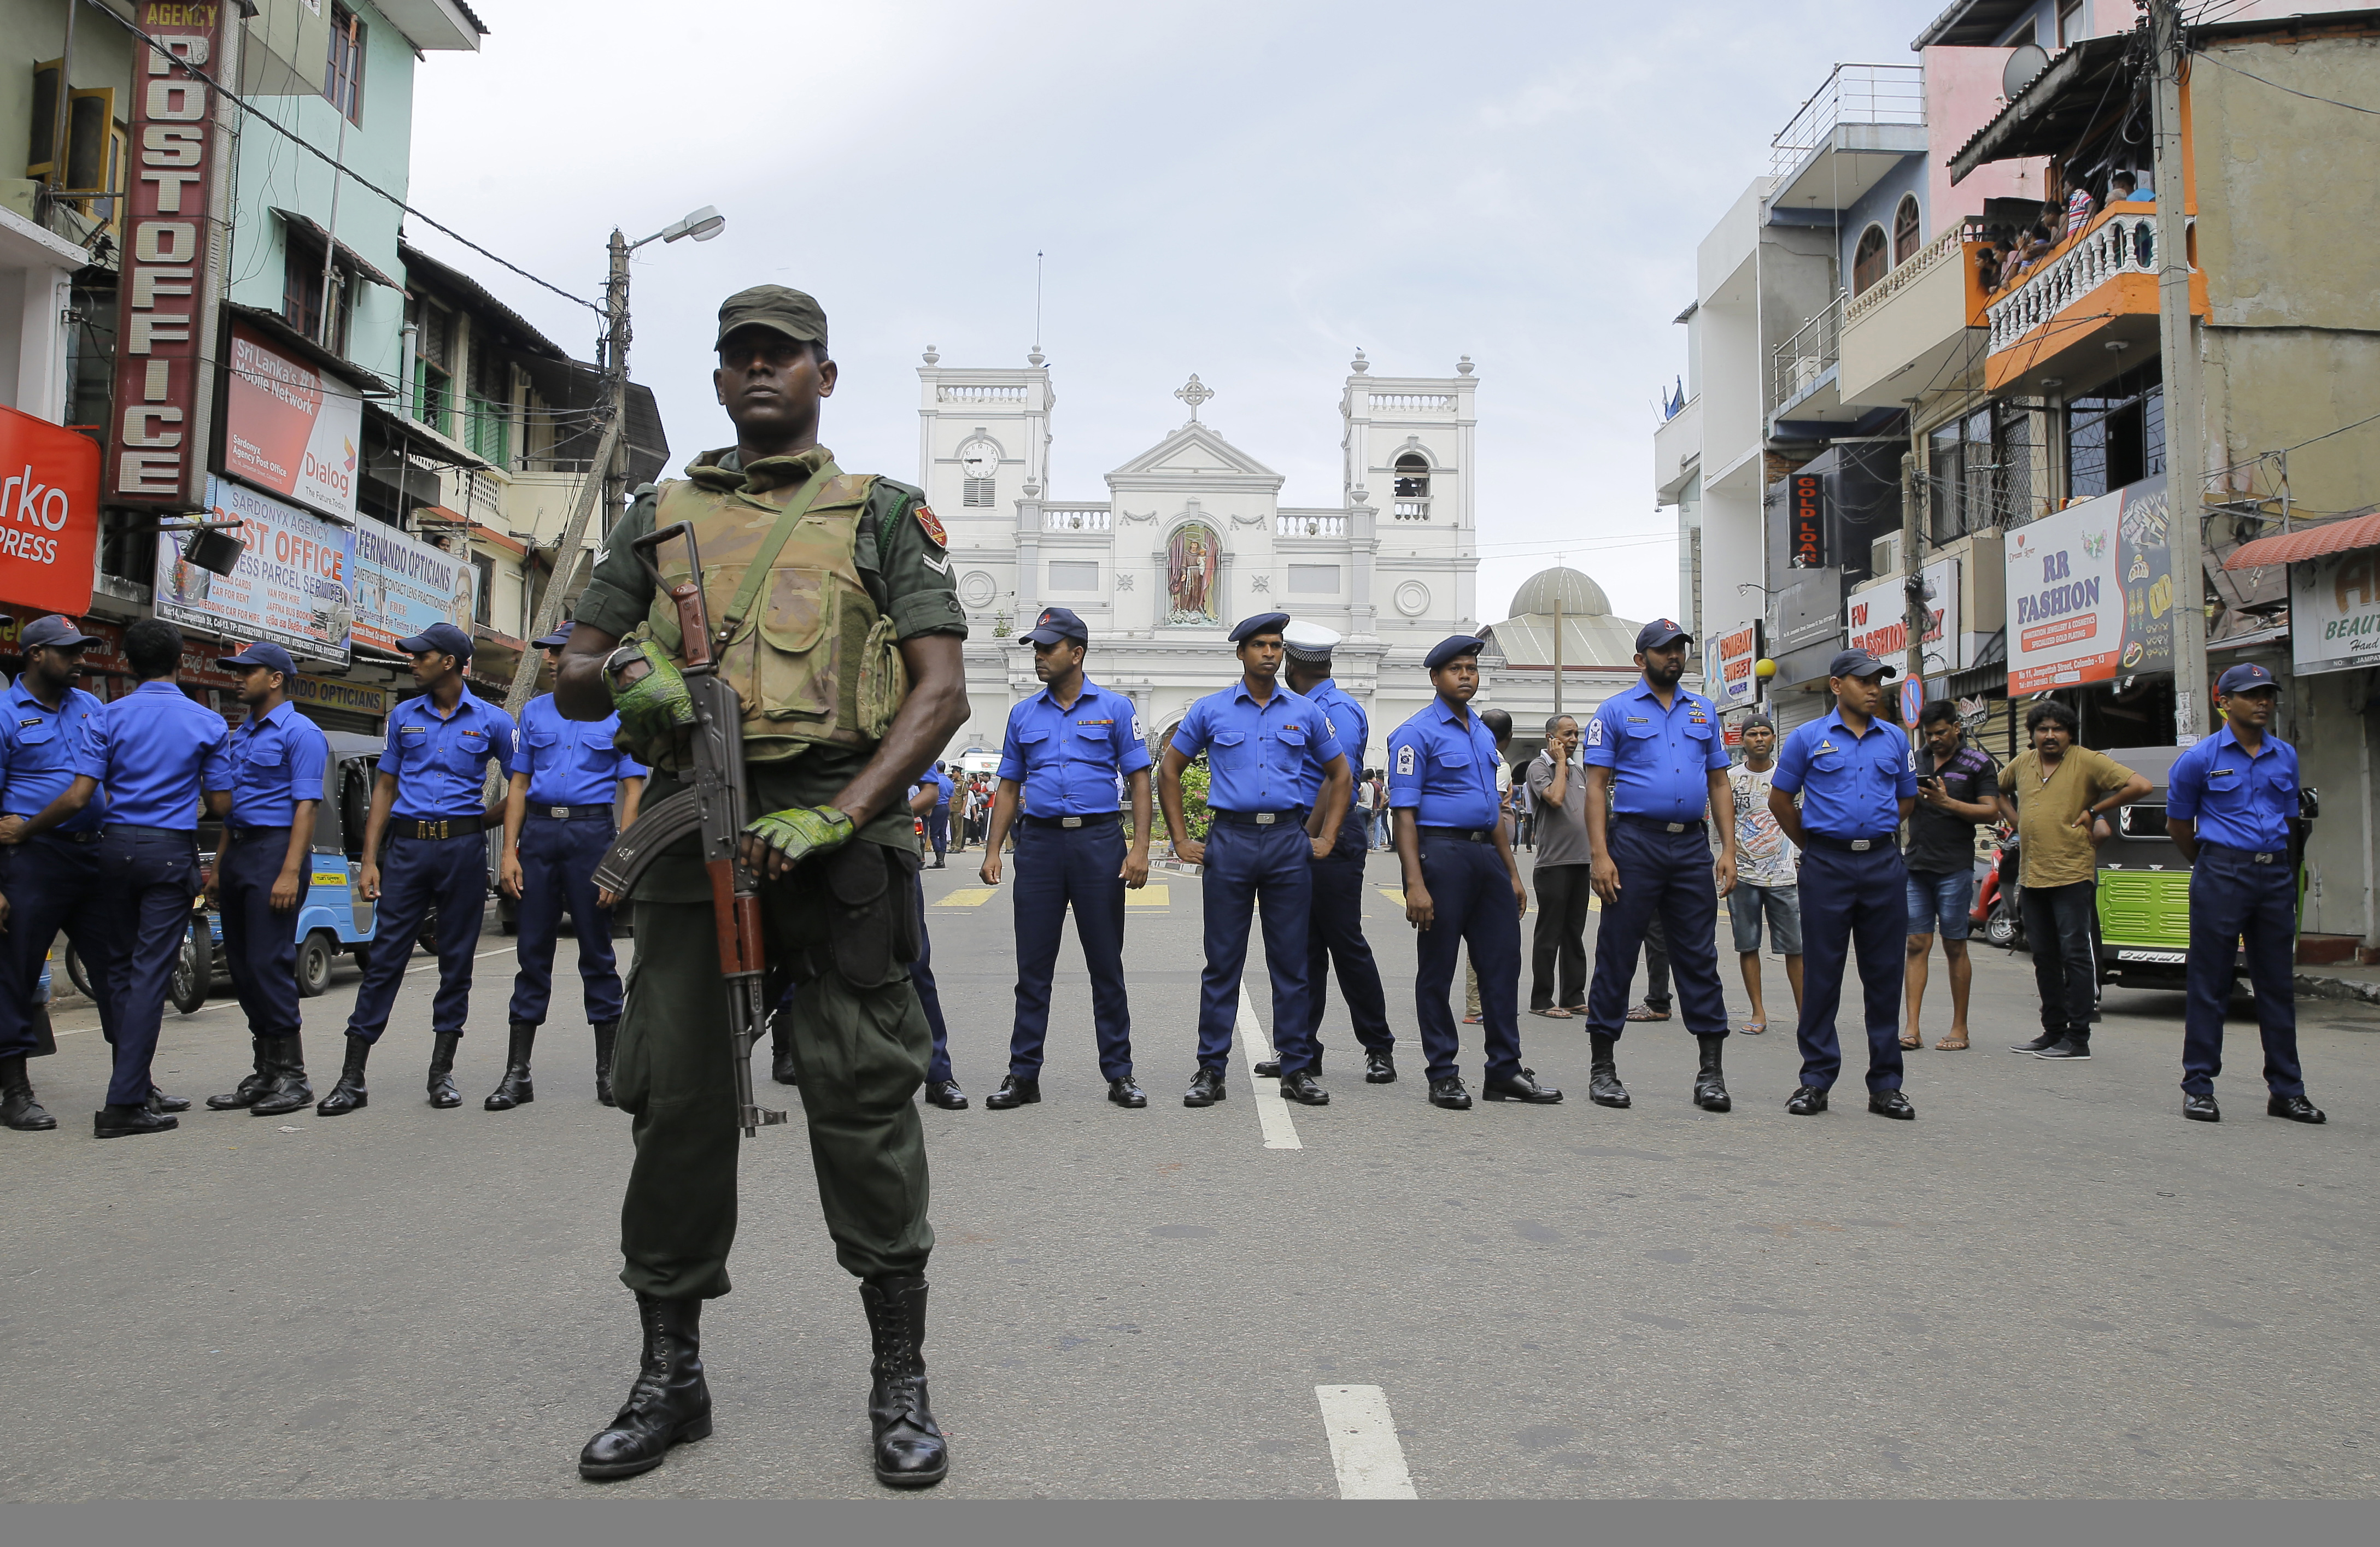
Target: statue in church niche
[{"x": 1191, "y": 556}]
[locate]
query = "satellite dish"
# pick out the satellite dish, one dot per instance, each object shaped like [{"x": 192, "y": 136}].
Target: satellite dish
[{"x": 2026, "y": 63}]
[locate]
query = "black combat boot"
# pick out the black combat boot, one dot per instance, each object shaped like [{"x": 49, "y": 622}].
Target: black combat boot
[
  {"x": 910, "y": 1452},
  {"x": 670, "y": 1401},
  {"x": 349, "y": 1093},
  {"x": 18, "y": 1108},
  {"x": 1711, "y": 1085},
  {"x": 1603, "y": 1086},
  {"x": 780, "y": 1048},
  {"x": 290, "y": 1090},
  {"x": 258, "y": 1082},
  {"x": 443, "y": 1092},
  {"x": 515, "y": 1089},
  {"x": 607, "y": 1036}
]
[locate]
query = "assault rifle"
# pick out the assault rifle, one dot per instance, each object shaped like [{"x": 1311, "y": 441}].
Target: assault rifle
[{"x": 717, "y": 807}]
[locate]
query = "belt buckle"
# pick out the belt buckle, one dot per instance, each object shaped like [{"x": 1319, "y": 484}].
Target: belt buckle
[
  {"x": 442, "y": 828},
  {"x": 1673, "y": 826},
  {"x": 1862, "y": 845},
  {"x": 559, "y": 813},
  {"x": 1267, "y": 818},
  {"x": 2264, "y": 859},
  {"x": 1070, "y": 821}
]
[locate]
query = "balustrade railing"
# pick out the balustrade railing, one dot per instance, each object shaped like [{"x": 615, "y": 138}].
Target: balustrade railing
[
  {"x": 947, "y": 394},
  {"x": 1949, "y": 247},
  {"x": 1409, "y": 401},
  {"x": 1411, "y": 510},
  {"x": 1077, "y": 518},
  {"x": 2123, "y": 241},
  {"x": 1310, "y": 526}
]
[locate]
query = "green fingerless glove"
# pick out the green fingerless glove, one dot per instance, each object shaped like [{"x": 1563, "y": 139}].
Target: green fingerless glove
[
  {"x": 653, "y": 707},
  {"x": 800, "y": 831}
]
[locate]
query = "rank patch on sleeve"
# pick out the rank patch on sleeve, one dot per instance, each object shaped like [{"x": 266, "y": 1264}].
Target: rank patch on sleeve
[{"x": 932, "y": 525}]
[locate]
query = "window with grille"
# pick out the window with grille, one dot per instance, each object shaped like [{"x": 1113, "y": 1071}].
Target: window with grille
[
  {"x": 302, "y": 288},
  {"x": 483, "y": 603},
  {"x": 1904, "y": 230},
  {"x": 976, "y": 493},
  {"x": 1868, "y": 260},
  {"x": 434, "y": 377},
  {"x": 487, "y": 429},
  {"x": 343, "y": 79},
  {"x": 2115, "y": 434}
]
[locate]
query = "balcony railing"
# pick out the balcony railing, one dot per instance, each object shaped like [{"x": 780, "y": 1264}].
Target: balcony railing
[
  {"x": 1076, "y": 518},
  {"x": 1816, "y": 348},
  {"x": 2121, "y": 241},
  {"x": 978, "y": 394},
  {"x": 1310, "y": 526},
  {"x": 1852, "y": 94},
  {"x": 1410, "y": 400},
  {"x": 1411, "y": 510},
  {"x": 1950, "y": 246}
]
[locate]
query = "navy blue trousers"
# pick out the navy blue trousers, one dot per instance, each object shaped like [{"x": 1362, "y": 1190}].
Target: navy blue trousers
[
  {"x": 921, "y": 973},
  {"x": 1665, "y": 876},
  {"x": 51, "y": 885},
  {"x": 1472, "y": 902},
  {"x": 1851, "y": 902},
  {"x": 938, "y": 830},
  {"x": 557, "y": 862},
  {"x": 147, "y": 876},
  {"x": 1334, "y": 933},
  {"x": 2235, "y": 901},
  {"x": 1058, "y": 868},
  {"x": 261, "y": 945},
  {"x": 1246, "y": 863},
  {"x": 416, "y": 874}
]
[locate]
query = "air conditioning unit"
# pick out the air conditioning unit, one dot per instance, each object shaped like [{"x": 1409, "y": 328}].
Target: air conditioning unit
[{"x": 1884, "y": 555}]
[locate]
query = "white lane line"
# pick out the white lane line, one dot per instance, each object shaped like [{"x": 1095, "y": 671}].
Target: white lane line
[
  {"x": 1364, "y": 1448},
  {"x": 1280, "y": 1133}
]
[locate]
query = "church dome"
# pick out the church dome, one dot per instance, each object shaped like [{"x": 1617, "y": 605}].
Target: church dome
[{"x": 1580, "y": 596}]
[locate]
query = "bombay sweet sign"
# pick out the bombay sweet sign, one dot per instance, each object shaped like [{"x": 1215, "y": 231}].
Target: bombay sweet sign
[{"x": 1733, "y": 657}]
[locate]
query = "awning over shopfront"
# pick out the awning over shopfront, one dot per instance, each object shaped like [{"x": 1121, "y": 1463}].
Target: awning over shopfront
[{"x": 2361, "y": 529}]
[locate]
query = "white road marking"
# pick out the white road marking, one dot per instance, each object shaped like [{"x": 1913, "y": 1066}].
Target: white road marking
[
  {"x": 1272, "y": 1112},
  {"x": 1364, "y": 1448}
]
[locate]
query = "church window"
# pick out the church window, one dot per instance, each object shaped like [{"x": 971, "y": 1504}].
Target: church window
[
  {"x": 1904, "y": 230},
  {"x": 1314, "y": 579},
  {"x": 976, "y": 493},
  {"x": 1073, "y": 574},
  {"x": 1413, "y": 477},
  {"x": 1869, "y": 260}
]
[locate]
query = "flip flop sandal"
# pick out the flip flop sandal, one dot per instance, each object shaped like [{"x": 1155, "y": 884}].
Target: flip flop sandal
[
  {"x": 1913, "y": 1043},
  {"x": 1756, "y": 1028},
  {"x": 1646, "y": 1012},
  {"x": 1946, "y": 1045},
  {"x": 1555, "y": 1013}
]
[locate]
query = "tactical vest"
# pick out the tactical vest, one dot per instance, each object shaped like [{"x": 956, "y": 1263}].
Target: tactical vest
[{"x": 811, "y": 658}]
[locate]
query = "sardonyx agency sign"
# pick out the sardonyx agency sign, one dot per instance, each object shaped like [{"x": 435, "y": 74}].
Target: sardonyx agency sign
[
  {"x": 290, "y": 585},
  {"x": 49, "y": 514},
  {"x": 288, "y": 428},
  {"x": 2090, "y": 591}
]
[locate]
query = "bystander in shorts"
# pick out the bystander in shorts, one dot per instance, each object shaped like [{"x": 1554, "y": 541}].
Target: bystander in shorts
[
  {"x": 1747, "y": 904},
  {"x": 1947, "y": 897}
]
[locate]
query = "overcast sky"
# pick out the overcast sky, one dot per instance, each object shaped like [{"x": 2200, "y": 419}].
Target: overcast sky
[{"x": 1246, "y": 191}]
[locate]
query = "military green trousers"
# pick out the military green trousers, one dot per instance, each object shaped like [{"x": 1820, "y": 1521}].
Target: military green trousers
[{"x": 861, "y": 1054}]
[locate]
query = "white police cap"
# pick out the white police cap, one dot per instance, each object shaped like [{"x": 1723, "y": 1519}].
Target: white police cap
[{"x": 1308, "y": 641}]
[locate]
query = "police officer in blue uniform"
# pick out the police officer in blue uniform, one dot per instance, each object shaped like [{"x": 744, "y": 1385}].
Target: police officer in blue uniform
[
  {"x": 1065, "y": 749},
  {"x": 155, "y": 750},
  {"x": 1277, "y": 790},
  {"x": 426, "y": 805},
  {"x": 51, "y": 882},
  {"x": 1335, "y": 923},
  {"x": 937, "y": 816},
  {"x": 1857, "y": 777},
  {"x": 2229, "y": 804},
  {"x": 264, "y": 866},
  {"x": 558, "y": 823},
  {"x": 1462, "y": 886},
  {"x": 1655, "y": 763}
]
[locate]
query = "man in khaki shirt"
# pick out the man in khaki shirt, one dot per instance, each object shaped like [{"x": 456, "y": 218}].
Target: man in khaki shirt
[{"x": 2054, "y": 793}]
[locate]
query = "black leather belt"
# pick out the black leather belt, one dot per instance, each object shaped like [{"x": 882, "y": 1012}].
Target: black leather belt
[
  {"x": 1097, "y": 820},
  {"x": 1881, "y": 843},
  {"x": 1461, "y": 835},
  {"x": 69, "y": 837},
  {"x": 1259, "y": 818},
  {"x": 439, "y": 827},
  {"x": 135, "y": 830},
  {"x": 1657, "y": 825},
  {"x": 2253, "y": 856},
  {"x": 572, "y": 813},
  {"x": 241, "y": 835}
]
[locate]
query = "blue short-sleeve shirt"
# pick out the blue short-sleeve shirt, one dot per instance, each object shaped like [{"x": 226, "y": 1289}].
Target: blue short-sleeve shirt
[
  {"x": 569, "y": 762},
  {"x": 1661, "y": 760},
  {"x": 1442, "y": 764},
  {"x": 1069, "y": 758},
  {"x": 441, "y": 760},
  {"x": 1267, "y": 756},
  {"x": 2237, "y": 799},
  {"x": 155, "y": 749},
  {"x": 40, "y": 752},
  {"x": 1851, "y": 786},
  {"x": 278, "y": 760},
  {"x": 942, "y": 783},
  {"x": 1346, "y": 718}
]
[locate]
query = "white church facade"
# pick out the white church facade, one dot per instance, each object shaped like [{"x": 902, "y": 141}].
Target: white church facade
[{"x": 1193, "y": 536}]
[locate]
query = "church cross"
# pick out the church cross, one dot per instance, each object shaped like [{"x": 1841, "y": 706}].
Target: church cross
[{"x": 1194, "y": 392}]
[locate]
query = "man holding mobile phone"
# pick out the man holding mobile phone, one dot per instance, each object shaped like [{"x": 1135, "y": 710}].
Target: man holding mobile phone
[{"x": 1957, "y": 788}]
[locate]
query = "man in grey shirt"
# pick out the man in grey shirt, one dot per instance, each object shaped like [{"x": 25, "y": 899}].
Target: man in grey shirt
[{"x": 1557, "y": 785}]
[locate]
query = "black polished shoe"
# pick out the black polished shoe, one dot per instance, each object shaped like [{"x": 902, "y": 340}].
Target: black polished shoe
[
  {"x": 2071, "y": 1047},
  {"x": 669, "y": 1402},
  {"x": 1892, "y": 1104},
  {"x": 1710, "y": 1082},
  {"x": 2200, "y": 1108},
  {"x": 166, "y": 1105},
  {"x": 1304, "y": 1089},
  {"x": 443, "y": 1092},
  {"x": 1013, "y": 1092},
  {"x": 1380, "y": 1068},
  {"x": 515, "y": 1088},
  {"x": 1523, "y": 1087},
  {"x": 244, "y": 1096},
  {"x": 1808, "y": 1102},
  {"x": 349, "y": 1093},
  {"x": 290, "y": 1089},
  {"x": 1603, "y": 1086},
  {"x": 2296, "y": 1109},
  {"x": 946, "y": 1095},
  {"x": 910, "y": 1450},
  {"x": 1449, "y": 1092},
  {"x": 122, "y": 1122},
  {"x": 607, "y": 1037},
  {"x": 1206, "y": 1089},
  {"x": 1124, "y": 1092},
  {"x": 2047, "y": 1039},
  {"x": 18, "y": 1108},
  {"x": 1269, "y": 1068}
]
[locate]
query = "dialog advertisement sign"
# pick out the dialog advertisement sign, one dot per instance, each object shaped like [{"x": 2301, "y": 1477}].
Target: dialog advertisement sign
[
  {"x": 290, "y": 586},
  {"x": 49, "y": 514},
  {"x": 2090, "y": 591},
  {"x": 1879, "y": 619},
  {"x": 2334, "y": 612},
  {"x": 1733, "y": 656},
  {"x": 403, "y": 585},
  {"x": 289, "y": 431}
]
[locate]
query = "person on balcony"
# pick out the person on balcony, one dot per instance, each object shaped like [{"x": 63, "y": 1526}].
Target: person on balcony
[
  {"x": 2079, "y": 205},
  {"x": 2125, "y": 188}
]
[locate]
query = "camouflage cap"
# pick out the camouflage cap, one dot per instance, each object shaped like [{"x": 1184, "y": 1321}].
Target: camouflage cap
[{"x": 776, "y": 307}]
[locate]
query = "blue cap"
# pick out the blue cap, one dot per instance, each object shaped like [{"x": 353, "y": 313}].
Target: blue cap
[
  {"x": 1456, "y": 649},
  {"x": 1263, "y": 623},
  {"x": 1857, "y": 663},
  {"x": 1659, "y": 632},
  {"x": 53, "y": 633},
  {"x": 445, "y": 638},
  {"x": 2246, "y": 677},
  {"x": 1056, "y": 623},
  {"x": 261, "y": 654},
  {"x": 558, "y": 638}
]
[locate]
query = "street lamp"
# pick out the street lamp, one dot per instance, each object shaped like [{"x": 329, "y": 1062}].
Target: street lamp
[{"x": 702, "y": 225}]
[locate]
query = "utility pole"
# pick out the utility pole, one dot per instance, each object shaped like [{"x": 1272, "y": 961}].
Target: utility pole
[
  {"x": 2178, "y": 349},
  {"x": 615, "y": 372},
  {"x": 1917, "y": 492},
  {"x": 1560, "y": 579}
]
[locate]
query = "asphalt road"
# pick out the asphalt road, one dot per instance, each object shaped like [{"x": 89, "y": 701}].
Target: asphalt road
[{"x": 2049, "y": 1285}]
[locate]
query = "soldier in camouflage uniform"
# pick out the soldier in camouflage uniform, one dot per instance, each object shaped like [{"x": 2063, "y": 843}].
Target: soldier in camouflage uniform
[{"x": 845, "y": 652}]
